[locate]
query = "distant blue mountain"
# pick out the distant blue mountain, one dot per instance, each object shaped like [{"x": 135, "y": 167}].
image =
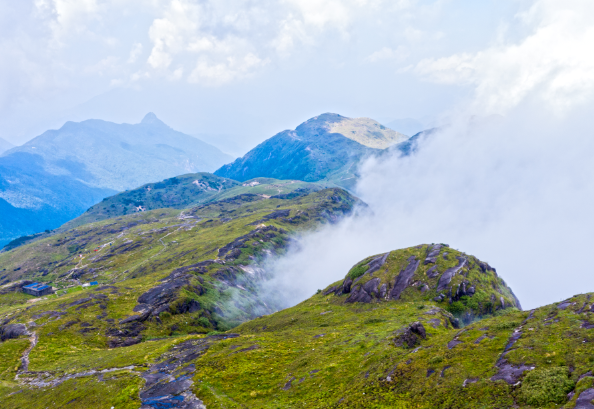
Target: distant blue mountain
[
  {"x": 61, "y": 173},
  {"x": 5, "y": 145}
]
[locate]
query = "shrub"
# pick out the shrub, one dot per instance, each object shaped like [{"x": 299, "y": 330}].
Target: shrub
[
  {"x": 436, "y": 360},
  {"x": 456, "y": 308},
  {"x": 358, "y": 271},
  {"x": 546, "y": 385},
  {"x": 203, "y": 322},
  {"x": 505, "y": 325}
]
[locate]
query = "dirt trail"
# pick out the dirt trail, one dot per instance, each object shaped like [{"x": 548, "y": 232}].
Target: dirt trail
[
  {"x": 25, "y": 359},
  {"x": 47, "y": 379}
]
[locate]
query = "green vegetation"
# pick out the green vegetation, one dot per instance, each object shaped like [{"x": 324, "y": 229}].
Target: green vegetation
[
  {"x": 67, "y": 170},
  {"x": 336, "y": 349},
  {"x": 546, "y": 385}
]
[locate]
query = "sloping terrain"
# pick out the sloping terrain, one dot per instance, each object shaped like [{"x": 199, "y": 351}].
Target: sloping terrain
[
  {"x": 33, "y": 200},
  {"x": 162, "y": 274},
  {"x": 5, "y": 145},
  {"x": 178, "y": 192},
  {"x": 403, "y": 350},
  {"x": 122, "y": 156},
  {"x": 186, "y": 191},
  {"x": 61, "y": 173},
  {"x": 468, "y": 287},
  {"x": 326, "y": 147}
]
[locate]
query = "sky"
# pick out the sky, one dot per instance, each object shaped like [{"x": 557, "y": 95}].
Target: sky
[
  {"x": 233, "y": 72},
  {"x": 510, "y": 82}
]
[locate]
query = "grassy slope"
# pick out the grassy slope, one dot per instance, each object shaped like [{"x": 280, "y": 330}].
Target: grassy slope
[
  {"x": 176, "y": 193},
  {"x": 144, "y": 248},
  {"x": 346, "y": 367},
  {"x": 321, "y": 353},
  {"x": 357, "y": 354}
]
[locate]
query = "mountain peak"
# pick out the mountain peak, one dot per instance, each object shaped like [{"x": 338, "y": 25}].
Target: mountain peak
[
  {"x": 428, "y": 272},
  {"x": 364, "y": 131},
  {"x": 151, "y": 119}
]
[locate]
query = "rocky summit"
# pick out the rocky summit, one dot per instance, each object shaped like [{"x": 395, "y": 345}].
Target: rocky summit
[{"x": 469, "y": 287}]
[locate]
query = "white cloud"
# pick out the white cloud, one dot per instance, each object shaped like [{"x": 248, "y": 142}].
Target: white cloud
[
  {"x": 212, "y": 74},
  {"x": 554, "y": 62},
  {"x": 321, "y": 13},
  {"x": 388, "y": 54},
  {"x": 135, "y": 53}
]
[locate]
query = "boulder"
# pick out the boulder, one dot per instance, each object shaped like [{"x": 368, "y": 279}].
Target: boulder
[
  {"x": 358, "y": 294},
  {"x": 432, "y": 253},
  {"x": 584, "y": 401},
  {"x": 418, "y": 329},
  {"x": 410, "y": 336},
  {"x": 12, "y": 331}
]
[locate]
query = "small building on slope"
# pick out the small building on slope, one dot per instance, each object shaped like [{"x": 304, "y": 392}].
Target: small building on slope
[{"x": 38, "y": 289}]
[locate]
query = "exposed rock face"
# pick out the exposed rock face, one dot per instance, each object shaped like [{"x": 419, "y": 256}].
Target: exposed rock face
[
  {"x": 510, "y": 373},
  {"x": 365, "y": 292},
  {"x": 584, "y": 401},
  {"x": 432, "y": 253},
  {"x": 447, "y": 275},
  {"x": 432, "y": 272},
  {"x": 377, "y": 263},
  {"x": 157, "y": 299},
  {"x": 403, "y": 279},
  {"x": 228, "y": 251},
  {"x": 12, "y": 331},
  {"x": 168, "y": 382},
  {"x": 413, "y": 274},
  {"x": 152, "y": 303}
]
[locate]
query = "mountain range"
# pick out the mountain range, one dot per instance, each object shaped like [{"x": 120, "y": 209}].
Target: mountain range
[
  {"x": 327, "y": 147},
  {"x": 163, "y": 297},
  {"x": 59, "y": 174}
]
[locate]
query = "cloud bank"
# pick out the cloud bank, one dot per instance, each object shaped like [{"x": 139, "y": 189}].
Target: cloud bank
[
  {"x": 196, "y": 62},
  {"x": 514, "y": 190}
]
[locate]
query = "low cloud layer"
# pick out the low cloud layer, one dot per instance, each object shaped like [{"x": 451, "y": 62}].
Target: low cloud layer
[
  {"x": 516, "y": 193},
  {"x": 514, "y": 190}
]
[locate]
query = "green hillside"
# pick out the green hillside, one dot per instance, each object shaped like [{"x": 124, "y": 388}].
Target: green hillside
[
  {"x": 405, "y": 347},
  {"x": 327, "y": 147},
  {"x": 186, "y": 191},
  {"x": 57, "y": 175}
]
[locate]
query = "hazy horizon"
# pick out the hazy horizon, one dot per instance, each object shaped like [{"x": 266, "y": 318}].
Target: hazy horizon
[{"x": 238, "y": 73}]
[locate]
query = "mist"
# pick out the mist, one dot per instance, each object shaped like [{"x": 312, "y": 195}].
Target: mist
[
  {"x": 508, "y": 179},
  {"x": 515, "y": 192}
]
